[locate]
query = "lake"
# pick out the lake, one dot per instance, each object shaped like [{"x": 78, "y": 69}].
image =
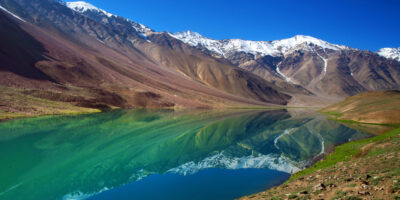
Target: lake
[{"x": 161, "y": 154}]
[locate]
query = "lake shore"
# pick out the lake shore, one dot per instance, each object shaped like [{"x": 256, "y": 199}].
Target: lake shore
[
  {"x": 368, "y": 168},
  {"x": 364, "y": 169},
  {"x": 11, "y": 116},
  {"x": 4, "y": 116}
]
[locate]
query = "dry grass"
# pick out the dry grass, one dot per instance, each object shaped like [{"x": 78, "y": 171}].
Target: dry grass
[
  {"x": 380, "y": 107},
  {"x": 15, "y": 104}
]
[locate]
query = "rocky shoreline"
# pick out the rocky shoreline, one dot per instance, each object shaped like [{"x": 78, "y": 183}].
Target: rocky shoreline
[{"x": 372, "y": 173}]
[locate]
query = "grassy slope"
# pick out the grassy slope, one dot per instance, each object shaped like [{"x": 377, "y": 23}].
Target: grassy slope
[
  {"x": 15, "y": 104},
  {"x": 368, "y": 168}
]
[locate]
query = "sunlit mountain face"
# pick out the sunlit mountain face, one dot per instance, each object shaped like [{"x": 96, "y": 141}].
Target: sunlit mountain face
[
  {"x": 84, "y": 156},
  {"x": 79, "y": 56}
]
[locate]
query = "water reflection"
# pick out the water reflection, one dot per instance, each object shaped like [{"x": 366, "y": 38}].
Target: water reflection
[{"x": 78, "y": 156}]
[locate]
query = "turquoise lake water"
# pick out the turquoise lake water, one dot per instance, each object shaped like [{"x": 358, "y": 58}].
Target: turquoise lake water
[{"x": 161, "y": 154}]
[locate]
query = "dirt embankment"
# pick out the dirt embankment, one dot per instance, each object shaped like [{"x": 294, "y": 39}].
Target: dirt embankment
[{"x": 378, "y": 107}]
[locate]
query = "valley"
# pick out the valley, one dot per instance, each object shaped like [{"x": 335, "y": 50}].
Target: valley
[
  {"x": 97, "y": 106},
  {"x": 102, "y": 61}
]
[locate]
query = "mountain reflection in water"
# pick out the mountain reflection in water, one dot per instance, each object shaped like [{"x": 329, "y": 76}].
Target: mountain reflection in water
[{"x": 74, "y": 157}]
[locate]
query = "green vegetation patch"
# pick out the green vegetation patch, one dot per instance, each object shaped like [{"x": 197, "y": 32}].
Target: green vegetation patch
[{"x": 344, "y": 153}]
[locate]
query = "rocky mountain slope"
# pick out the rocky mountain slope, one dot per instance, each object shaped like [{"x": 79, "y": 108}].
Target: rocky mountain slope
[
  {"x": 320, "y": 67},
  {"x": 85, "y": 56},
  {"x": 89, "y": 62}
]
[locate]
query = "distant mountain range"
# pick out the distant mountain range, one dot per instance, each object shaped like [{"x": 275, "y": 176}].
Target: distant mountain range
[{"x": 86, "y": 56}]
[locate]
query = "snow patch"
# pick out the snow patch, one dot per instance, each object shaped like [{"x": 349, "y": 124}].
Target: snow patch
[
  {"x": 283, "y": 75},
  {"x": 81, "y": 7},
  {"x": 100, "y": 40},
  {"x": 390, "y": 53},
  {"x": 140, "y": 28},
  {"x": 12, "y": 14},
  {"x": 144, "y": 37},
  {"x": 325, "y": 64}
]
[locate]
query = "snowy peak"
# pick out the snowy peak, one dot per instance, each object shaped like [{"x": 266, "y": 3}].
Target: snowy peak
[
  {"x": 287, "y": 44},
  {"x": 273, "y": 48},
  {"x": 222, "y": 47},
  {"x": 390, "y": 53},
  {"x": 81, "y": 7}
]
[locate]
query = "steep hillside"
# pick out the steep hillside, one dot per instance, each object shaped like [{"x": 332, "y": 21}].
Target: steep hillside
[
  {"x": 370, "y": 107},
  {"x": 327, "y": 70},
  {"x": 78, "y": 54},
  {"x": 88, "y": 62}
]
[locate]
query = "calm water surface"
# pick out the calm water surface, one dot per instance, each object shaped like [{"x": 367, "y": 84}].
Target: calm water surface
[{"x": 141, "y": 154}]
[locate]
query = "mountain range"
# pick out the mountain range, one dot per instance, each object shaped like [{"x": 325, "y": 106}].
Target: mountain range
[{"x": 77, "y": 54}]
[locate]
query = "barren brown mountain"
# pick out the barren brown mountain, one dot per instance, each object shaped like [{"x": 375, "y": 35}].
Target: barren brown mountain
[
  {"x": 309, "y": 68},
  {"x": 54, "y": 55},
  {"x": 52, "y": 52}
]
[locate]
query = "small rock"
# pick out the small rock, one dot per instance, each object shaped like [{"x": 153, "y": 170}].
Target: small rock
[
  {"x": 363, "y": 193},
  {"x": 379, "y": 189},
  {"x": 389, "y": 190},
  {"x": 331, "y": 185},
  {"x": 348, "y": 179},
  {"x": 304, "y": 192},
  {"x": 320, "y": 186},
  {"x": 364, "y": 182}
]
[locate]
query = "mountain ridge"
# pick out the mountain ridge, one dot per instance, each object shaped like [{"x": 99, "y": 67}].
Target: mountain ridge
[
  {"x": 260, "y": 48},
  {"x": 89, "y": 63},
  {"x": 186, "y": 36},
  {"x": 115, "y": 62}
]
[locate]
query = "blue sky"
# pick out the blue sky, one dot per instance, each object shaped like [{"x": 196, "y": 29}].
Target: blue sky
[{"x": 363, "y": 24}]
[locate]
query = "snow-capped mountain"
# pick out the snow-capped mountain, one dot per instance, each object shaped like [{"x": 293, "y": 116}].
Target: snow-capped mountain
[
  {"x": 220, "y": 47},
  {"x": 262, "y": 48},
  {"x": 301, "y": 64},
  {"x": 390, "y": 53},
  {"x": 81, "y": 6},
  {"x": 93, "y": 11}
]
